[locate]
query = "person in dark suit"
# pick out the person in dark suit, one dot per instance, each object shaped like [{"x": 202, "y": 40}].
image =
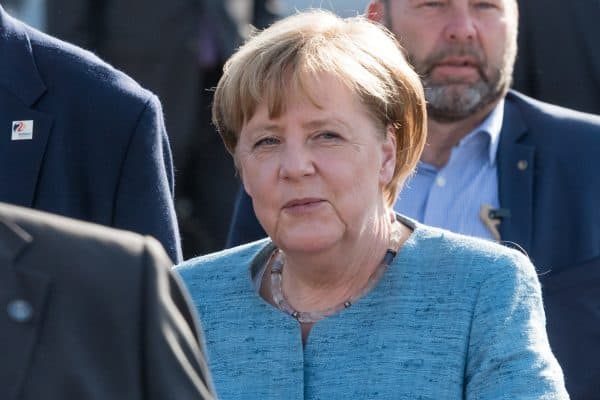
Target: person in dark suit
[
  {"x": 511, "y": 168},
  {"x": 177, "y": 50},
  {"x": 558, "y": 59},
  {"x": 81, "y": 138},
  {"x": 90, "y": 312}
]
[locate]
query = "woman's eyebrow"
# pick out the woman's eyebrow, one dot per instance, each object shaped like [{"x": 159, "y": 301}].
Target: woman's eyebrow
[{"x": 321, "y": 122}]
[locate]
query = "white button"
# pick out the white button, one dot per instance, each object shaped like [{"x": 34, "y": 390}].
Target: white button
[
  {"x": 440, "y": 181},
  {"x": 19, "y": 310}
]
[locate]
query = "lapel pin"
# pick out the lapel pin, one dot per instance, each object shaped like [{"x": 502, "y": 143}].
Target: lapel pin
[
  {"x": 492, "y": 217},
  {"x": 22, "y": 130}
]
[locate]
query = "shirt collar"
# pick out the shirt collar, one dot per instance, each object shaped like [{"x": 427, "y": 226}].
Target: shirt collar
[{"x": 491, "y": 125}]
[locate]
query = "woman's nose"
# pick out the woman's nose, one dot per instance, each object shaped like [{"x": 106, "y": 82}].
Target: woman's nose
[{"x": 296, "y": 162}]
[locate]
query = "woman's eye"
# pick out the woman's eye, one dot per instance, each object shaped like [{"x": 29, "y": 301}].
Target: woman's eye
[
  {"x": 268, "y": 141},
  {"x": 328, "y": 135},
  {"x": 432, "y": 4}
]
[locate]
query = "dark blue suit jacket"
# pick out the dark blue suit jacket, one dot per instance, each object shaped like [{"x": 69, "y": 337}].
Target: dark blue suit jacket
[
  {"x": 98, "y": 150},
  {"x": 549, "y": 180}
]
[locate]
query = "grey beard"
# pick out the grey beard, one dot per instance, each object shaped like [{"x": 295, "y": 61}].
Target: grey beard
[{"x": 454, "y": 102}]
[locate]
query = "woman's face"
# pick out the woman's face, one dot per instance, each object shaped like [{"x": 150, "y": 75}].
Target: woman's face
[{"x": 316, "y": 173}]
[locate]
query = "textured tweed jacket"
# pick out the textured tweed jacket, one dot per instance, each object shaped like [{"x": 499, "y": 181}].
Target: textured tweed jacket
[{"x": 452, "y": 318}]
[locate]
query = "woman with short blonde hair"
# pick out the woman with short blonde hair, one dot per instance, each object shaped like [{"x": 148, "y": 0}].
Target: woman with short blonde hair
[{"x": 345, "y": 299}]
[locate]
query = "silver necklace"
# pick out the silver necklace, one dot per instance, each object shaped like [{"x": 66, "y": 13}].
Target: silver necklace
[{"x": 277, "y": 262}]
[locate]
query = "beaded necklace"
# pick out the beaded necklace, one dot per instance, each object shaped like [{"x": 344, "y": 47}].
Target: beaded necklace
[{"x": 277, "y": 262}]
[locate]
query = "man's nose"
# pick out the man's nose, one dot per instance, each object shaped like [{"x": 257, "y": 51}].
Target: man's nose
[{"x": 460, "y": 26}]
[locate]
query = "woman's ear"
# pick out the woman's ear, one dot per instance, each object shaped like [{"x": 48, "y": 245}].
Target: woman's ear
[{"x": 388, "y": 159}]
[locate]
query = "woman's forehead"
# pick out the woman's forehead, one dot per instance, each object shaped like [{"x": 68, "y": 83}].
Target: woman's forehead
[{"x": 318, "y": 89}]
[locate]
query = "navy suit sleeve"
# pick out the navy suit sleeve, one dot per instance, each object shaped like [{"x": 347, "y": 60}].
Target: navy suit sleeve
[
  {"x": 244, "y": 225},
  {"x": 172, "y": 349},
  {"x": 144, "y": 201}
]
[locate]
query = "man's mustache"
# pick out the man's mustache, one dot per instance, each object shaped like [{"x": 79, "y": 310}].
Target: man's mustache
[{"x": 470, "y": 55}]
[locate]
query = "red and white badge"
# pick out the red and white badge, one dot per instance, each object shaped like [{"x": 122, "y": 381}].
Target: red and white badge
[{"x": 22, "y": 130}]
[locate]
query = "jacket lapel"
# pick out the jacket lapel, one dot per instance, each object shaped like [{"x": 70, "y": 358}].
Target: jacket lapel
[
  {"x": 18, "y": 338},
  {"x": 21, "y": 86},
  {"x": 516, "y": 164}
]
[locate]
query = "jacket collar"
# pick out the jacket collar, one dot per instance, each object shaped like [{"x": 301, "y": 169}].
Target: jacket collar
[
  {"x": 13, "y": 240},
  {"x": 21, "y": 88},
  {"x": 516, "y": 165},
  {"x": 23, "y": 81},
  {"x": 514, "y": 127}
]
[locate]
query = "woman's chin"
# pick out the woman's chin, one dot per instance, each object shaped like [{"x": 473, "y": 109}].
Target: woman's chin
[{"x": 309, "y": 241}]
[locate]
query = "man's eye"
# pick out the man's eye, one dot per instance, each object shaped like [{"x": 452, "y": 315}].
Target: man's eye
[
  {"x": 268, "y": 141},
  {"x": 485, "y": 5}
]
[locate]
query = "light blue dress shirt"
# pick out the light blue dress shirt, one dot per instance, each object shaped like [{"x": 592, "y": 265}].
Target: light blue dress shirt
[{"x": 451, "y": 197}]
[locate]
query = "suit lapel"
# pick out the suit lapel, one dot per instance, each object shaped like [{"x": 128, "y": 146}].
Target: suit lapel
[
  {"x": 516, "y": 164},
  {"x": 20, "y": 88},
  {"x": 18, "y": 339},
  {"x": 21, "y": 160}
]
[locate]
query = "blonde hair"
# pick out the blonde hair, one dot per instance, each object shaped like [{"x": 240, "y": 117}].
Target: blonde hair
[{"x": 362, "y": 55}]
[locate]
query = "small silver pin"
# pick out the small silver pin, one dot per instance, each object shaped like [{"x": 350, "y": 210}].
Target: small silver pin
[{"x": 22, "y": 130}]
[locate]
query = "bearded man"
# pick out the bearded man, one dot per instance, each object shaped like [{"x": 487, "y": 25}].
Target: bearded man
[{"x": 500, "y": 165}]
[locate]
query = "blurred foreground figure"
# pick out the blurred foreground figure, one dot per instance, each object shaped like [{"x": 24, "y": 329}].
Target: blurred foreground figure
[
  {"x": 89, "y": 312},
  {"x": 81, "y": 139}
]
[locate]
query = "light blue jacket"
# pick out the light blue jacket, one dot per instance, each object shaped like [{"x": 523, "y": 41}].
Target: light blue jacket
[{"x": 452, "y": 318}]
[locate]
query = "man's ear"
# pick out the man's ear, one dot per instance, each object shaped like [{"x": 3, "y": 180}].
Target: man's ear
[{"x": 376, "y": 11}]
